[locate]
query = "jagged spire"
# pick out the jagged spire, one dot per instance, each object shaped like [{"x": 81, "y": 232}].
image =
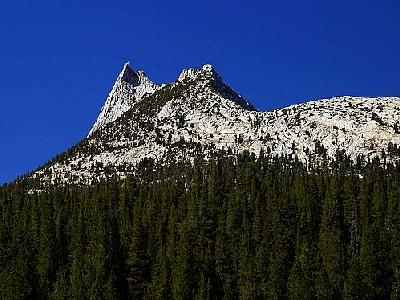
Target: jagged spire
[
  {"x": 129, "y": 88},
  {"x": 127, "y": 74}
]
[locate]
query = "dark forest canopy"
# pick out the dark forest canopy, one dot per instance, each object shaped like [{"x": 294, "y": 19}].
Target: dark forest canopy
[{"x": 249, "y": 229}]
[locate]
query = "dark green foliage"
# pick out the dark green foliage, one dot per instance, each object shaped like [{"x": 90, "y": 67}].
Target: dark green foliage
[{"x": 224, "y": 229}]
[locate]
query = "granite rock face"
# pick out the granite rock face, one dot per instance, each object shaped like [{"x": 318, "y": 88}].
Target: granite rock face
[{"x": 200, "y": 114}]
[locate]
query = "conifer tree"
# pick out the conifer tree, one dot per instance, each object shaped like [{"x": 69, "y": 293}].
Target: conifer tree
[{"x": 331, "y": 276}]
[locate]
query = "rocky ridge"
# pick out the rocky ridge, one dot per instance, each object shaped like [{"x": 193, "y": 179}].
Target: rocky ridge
[{"x": 200, "y": 114}]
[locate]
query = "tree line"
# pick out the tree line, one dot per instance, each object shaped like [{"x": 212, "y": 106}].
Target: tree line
[{"x": 245, "y": 228}]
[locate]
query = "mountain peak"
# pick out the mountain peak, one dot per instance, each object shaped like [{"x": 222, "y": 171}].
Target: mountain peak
[
  {"x": 129, "y": 88},
  {"x": 207, "y": 67},
  {"x": 132, "y": 86},
  {"x": 132, "y": 77},
  {"x": 127, "y": 74},
  {"x": 207, "y": 76},
  {"x": 199, "y": 114},
  {"x": 205, "y": 72},
  {"x": 209, "y": 70}
]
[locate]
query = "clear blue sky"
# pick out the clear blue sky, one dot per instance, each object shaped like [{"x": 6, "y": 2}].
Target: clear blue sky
[{"x": 58, "y": 59}]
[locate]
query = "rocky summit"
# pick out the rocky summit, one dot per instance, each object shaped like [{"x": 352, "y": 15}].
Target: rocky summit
[{"x": 199, "y": 114}]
